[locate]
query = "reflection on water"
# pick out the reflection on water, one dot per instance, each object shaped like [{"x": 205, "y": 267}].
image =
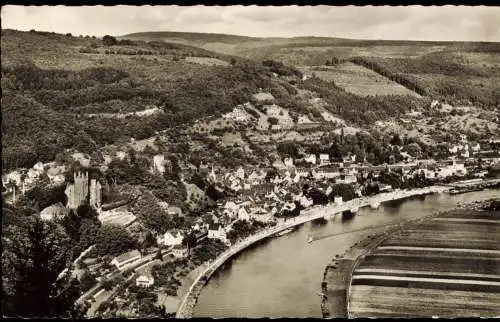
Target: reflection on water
[{"x": 280, "y": 277}]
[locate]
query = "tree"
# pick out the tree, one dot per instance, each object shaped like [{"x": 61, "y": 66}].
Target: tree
[
  {"x": 33, "y": 248},
  {"x": 345, "y": 190},
  {"x": 288, "y": 149},
  {"x": 113, "y": 240},
  {"x": 109, "y": 40},
  {"x": 107, "y": 284},
  {"x": 396, "y": 140},
  {"x": 272, "y": 120}
]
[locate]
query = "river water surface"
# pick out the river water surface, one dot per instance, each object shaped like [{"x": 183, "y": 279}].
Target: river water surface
[{"x": 281, "y": 277}]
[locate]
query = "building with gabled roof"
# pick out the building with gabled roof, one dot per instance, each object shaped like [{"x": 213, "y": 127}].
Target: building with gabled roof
[{"x": 126, "y": 259}]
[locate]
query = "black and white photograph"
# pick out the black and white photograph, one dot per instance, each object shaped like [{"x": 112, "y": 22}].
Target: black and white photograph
[{"x": 250, "y": 161}]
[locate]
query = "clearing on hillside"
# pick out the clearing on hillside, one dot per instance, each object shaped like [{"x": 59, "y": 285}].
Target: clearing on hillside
[
  {"x": 207, "y": 61},
  {"x": 358, "y": 80}
]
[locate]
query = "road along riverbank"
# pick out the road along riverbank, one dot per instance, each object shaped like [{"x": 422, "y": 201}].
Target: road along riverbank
[
  {"x": 190, "y": 298},
  {"x": 286, "y": 272}
]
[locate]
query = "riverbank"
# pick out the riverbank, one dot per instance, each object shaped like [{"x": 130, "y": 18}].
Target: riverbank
[
  {"x": 189, "y": 301},
  {"x": 337, "y": 277},
  {"x": 171, "y": 303}
]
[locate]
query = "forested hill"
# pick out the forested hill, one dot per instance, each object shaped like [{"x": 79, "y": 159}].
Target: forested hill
[
  {"x": 52, "y": 82},
  {"x": 62, "y": 91}
]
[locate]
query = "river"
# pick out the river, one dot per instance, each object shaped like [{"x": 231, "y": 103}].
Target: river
[{"x": 281, "y": 277}]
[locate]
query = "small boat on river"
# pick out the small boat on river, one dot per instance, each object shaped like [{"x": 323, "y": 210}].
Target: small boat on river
[{"x": 284, "y": 232}]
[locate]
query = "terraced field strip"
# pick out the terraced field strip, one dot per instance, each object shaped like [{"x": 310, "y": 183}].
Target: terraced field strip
[{"x": 447, "y": 266}]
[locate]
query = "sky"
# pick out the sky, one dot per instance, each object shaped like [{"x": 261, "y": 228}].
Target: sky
[{"x": 445, "y": 23}]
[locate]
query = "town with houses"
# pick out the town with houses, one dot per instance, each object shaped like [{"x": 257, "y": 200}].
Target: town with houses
[{"x": 253, "y": 197}]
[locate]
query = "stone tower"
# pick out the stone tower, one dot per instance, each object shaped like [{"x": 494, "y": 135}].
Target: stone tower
[
  {"x": 78, "y": 191},
  {"x": 95, "y": 193}
]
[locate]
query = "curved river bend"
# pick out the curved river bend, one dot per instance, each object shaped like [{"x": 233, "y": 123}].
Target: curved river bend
[{"x": 281, "y": 277}]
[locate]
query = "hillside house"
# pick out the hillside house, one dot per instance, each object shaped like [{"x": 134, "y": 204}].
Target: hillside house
[
  {"x": 54, "y": 173},
  {"x": 126, "y": 259},
  {"x": 310, "y": 158},
  {"x": 171, "y": 238},
  {"x": 240, "y": 173},
  {"x": 280, "y": 165},
  {"x": 39, "y": 167},
  {"x": 121, "y": 155},
  {"x": 14, "y": 176},
  {"x": 288, "y": 162},
  {"x": 324, "y": 159},
  {"x": 255, "y": 178},
  {"x": 158, "y": 163},
  {"x": 238, "y": 114},
  {"x": 243, "y": 214},
  {"x": 174, "y": 211},
  {"x": 180, "y": 251},
  {"x": 475, "y": 147}
]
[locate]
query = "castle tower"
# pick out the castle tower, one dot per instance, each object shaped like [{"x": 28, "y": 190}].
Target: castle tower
[
  {"x": 77, "y": 192},
  {"x": 95, "y": 193}
]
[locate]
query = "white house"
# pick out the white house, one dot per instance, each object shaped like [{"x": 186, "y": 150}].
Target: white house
[
  {"x": 243, "y": 214},
  {"x": 171, "y": 238},
  {"x": 121, "y": 155},
  {"x": 305, "y": 202},
  {"x": 216, "y": 231},
  {"x": 39, "y": 167},
  {"x": 58, "y": 178},
  {"x": 254, "y": 178},
  {"x": 338, "y": 200},
  {"x": 126, "y": 259},
  {"x": 324, "y": 159},
  {"x": 32, "y": 173},
  {"x": 231, "y": 209},
  {"x": 278, "y": 164},
  {"x": 240, "y": 173},
  {"x": 180, "y": 251},
  {"x": 159, "y": 163},
  {"x": 310, "y": 158},
  {"x": 288, "y": 162},
  {"x": 12, "y": 176},
  {"x": 145, "y": 280},
  {"x": 347, "y": 179},
  {"x": 475, "y": 147}
]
